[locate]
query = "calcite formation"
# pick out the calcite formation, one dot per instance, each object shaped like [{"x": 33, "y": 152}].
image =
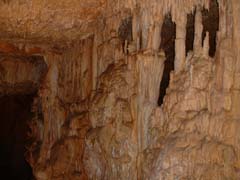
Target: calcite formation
[{"x": 97, "y": 115}]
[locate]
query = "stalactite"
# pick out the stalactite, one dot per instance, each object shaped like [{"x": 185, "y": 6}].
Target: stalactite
[
  {"x": 225, "y": 24},
  {"x": 76, "y": 70},
  {"x": 48, "y": 95}
]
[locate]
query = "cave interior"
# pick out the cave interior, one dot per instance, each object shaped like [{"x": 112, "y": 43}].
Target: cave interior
[{"x": 20, "y": 86}]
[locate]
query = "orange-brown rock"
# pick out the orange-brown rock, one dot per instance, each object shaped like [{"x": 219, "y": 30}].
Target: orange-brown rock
[{"x": 97, "y": 115}]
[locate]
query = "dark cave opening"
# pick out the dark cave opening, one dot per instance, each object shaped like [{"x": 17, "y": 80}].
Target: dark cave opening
[
  {"x": 168, "y": 36},
  {"x": 15, "y": 111},
  {"x": 210, "y": 19},
  {"x": 190, "y": 30},
  {"x": 21, "y": 78}
]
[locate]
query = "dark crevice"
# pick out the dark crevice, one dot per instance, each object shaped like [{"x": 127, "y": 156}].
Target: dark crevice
[
  {"x": 211, "y": 25},
  {"x": 15, "y": 111},
  {"x": 190, "y": 32},
  {"x": 168, "y": 36}
]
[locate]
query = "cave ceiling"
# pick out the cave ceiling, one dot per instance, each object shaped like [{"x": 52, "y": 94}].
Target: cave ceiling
[{"x": 47, "y": 22}]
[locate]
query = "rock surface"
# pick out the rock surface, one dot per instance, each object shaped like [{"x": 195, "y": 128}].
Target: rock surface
[
  {"x": 21, "y": 74},
  {"x": 97, "y": 114}
]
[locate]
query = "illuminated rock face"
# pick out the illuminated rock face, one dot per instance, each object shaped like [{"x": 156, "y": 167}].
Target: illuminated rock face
[{"x": 97, "y": 114}]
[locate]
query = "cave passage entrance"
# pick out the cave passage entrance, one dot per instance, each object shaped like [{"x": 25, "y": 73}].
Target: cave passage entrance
[
  {"x": 15, "y": 112},
  {"x": 20, "y": 80}
]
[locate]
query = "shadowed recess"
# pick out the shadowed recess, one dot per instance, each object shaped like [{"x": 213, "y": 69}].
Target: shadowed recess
[
  {"x": 15, "y": 111},
  {"x": 190, "y": 32},
  {"x": 168, "y": 35},
  {"x": 210, "y": 21}
]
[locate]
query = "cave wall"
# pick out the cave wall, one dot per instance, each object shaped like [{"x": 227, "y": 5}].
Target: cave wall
[
  {"x": 21, "y": 75},
  {"x": 97, "y": 113}
]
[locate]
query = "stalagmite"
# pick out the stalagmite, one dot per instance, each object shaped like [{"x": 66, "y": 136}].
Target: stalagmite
[
  {"x": 156, "y": 37},
  {"x": 198, "y": 31},
  {"x": 206, "y": 46},
  {"x": 180, "y": 47}
]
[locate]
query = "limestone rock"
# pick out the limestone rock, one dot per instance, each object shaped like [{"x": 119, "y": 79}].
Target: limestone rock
[{"x": 96, "y": 113}]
